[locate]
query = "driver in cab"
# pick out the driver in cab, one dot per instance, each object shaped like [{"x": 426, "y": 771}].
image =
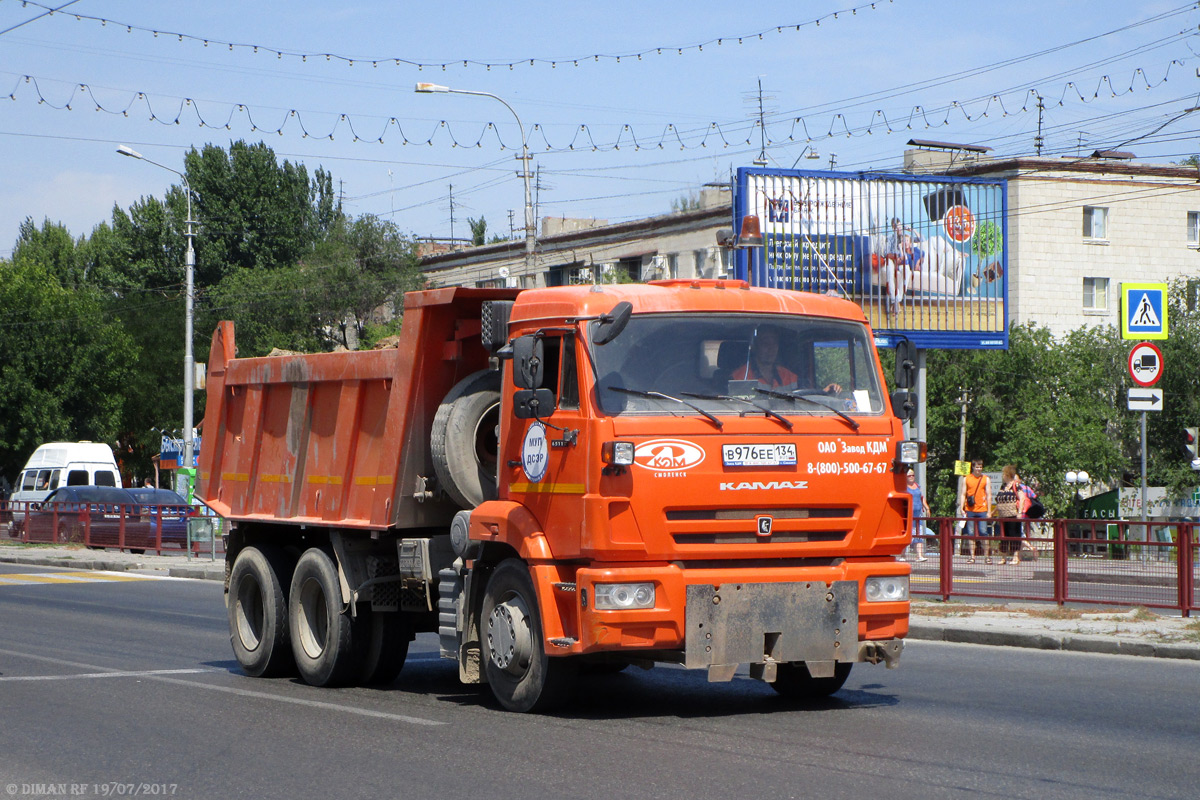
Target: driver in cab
[{"x": 763, "y": 366}]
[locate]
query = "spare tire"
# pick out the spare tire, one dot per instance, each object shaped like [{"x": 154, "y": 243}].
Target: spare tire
[{"x": 465, "y": 443}]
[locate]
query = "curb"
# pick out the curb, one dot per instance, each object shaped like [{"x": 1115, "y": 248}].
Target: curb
[{"x": 1107, "y": 645}]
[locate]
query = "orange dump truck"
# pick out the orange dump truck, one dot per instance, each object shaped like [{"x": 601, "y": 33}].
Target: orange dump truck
[{"x": 690, "y": 472}]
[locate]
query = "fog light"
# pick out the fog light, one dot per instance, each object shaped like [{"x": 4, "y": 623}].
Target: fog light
[
  {"x": 618, "y": 453},
  {"x": 620, "y": 596},
  {"x": 887, "y": 588}
]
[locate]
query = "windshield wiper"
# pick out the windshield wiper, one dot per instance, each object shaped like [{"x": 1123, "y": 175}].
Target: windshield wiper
[
  {"x": 805, "y": 397},
  {"x": 773, "y": 415},
  {"x": 661, "y": 396}
]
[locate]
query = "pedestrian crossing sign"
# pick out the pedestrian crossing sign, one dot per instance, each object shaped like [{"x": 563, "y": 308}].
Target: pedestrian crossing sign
[{"x": 1143, "y": 311}]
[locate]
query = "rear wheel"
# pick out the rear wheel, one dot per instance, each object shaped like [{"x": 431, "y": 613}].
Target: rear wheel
[
  {"x": 793, "y": 681},
  {"x": 463, "y": 439},
  {"x": 520, "y": 673},
  {"x": 258, "y": 624},
  {"x": 381, "y": 639},
  {"x": 322, "y": 634}
]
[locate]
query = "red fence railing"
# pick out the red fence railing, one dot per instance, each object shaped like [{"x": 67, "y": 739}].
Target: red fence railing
[
  {"x": 1114, "y": 562},
  {"x": 97, "y": 525}
]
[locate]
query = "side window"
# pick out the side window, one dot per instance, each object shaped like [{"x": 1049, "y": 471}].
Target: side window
[
  {"x": 54, "y": 476},
  {"x": 568, "y": 395},
  {"x": 43, "y": 480},
  {"x": 77, "y": 477},
  {"x": 105, "y": 478},
  {"x": 29, "y": 482}
]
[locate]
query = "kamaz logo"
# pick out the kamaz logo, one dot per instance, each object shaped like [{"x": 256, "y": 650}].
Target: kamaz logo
[{"x": 762, "y": 486}]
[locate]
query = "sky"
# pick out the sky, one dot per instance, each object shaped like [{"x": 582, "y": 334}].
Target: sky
[{"x": 627, "y": 107}]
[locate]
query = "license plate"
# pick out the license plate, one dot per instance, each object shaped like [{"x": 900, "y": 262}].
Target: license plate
[{"x": 759, "y": 455}]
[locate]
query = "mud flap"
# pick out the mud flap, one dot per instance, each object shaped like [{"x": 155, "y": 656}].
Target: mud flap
[{"x": 770, "y": 623}]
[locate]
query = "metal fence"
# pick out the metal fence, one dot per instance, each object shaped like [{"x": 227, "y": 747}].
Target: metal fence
[
  {"x": 100, "y": 525},
  {"x": 1113, "y": 562}
]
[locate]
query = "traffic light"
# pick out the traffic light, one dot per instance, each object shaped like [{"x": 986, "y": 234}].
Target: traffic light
[{"x": 1191, "y": 439}]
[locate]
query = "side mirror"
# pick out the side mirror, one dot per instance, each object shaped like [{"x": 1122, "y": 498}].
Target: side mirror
[
  {"x": 904, "y": 404},
  {"x": 528, "y": 361},
  {"x": 533, "y": 403},
  {"x": 906, "y": 364},
  {"x": 612, "y": 323}
]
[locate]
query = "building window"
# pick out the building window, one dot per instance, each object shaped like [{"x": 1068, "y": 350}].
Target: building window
[
  {"x": 1095, "y": 223},
  {"x": 1095, "y": 294},
  {"x": 699, "y": 261},
  {"x": 1194, "y": 229}
]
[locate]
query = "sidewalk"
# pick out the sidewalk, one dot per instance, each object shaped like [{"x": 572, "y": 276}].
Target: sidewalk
[{"x": 1043, "y": 626}]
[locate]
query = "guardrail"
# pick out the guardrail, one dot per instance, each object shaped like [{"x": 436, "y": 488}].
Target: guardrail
[
  {"x": 1114, "y": 562},
  {"x": 98, "y": 525}
]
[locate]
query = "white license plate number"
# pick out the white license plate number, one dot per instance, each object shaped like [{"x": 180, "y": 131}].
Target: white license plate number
[{"x": 759, "y": 455}]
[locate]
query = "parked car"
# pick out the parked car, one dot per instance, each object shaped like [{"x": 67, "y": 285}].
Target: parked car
[
  {"x": 92, "y": 515},
  {"x": 165, "y": 508}
]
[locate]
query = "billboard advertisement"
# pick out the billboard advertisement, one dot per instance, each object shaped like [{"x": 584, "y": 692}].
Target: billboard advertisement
[{"x": 925, "y": 257}]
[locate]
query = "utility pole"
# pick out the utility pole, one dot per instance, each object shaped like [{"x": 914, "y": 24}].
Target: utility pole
[
  {"x": 964, "y": 398},
  {"x": 1038, "y": 140},
  {"x": 451, "y": 214}
]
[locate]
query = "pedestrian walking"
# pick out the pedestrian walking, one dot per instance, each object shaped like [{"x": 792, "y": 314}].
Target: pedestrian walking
[
  {"x": 974, "y": 502},
  {"x": 919, "y": 509}
]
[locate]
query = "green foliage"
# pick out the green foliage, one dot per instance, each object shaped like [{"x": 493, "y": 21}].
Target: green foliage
[
  {"x": 478, "y": 230},
  {"x": 687, "y": 202},
  {"x": 64, "y": 363}
]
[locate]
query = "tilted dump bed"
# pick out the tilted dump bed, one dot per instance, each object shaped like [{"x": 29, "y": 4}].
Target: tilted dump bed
[{"x": 338, "y": 438}]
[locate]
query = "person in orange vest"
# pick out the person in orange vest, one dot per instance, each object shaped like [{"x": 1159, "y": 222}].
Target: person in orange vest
[{"x": 974, "y": 502}]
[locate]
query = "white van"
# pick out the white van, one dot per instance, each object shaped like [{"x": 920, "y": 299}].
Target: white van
[{"x": 62, "y": 464}]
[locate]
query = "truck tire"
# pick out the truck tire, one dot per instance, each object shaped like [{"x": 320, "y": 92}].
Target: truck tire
[
  {"x": 463, "y": 442},
  {"x": 793, "y": 681},
  {"x": 258, "y": 624},
  {"x": 519, "y": 672},
  {"x": 322, "y": 634},
  {"x": 382, "y": 639}
]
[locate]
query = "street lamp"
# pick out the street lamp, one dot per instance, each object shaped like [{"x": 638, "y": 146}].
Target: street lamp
[
  {"x": 530, "y": 229},
  {"x": 809, "y": 152},
  {"x": 189, "y": 363},
  {"x": 1076, "y": 480}
]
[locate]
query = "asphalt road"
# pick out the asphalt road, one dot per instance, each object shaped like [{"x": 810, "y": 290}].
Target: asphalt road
[{"x": 111, "y": 686}]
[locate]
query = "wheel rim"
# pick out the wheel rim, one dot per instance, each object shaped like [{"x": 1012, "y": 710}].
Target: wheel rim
[
  {"x": 487, "y": 443},
  {"x": 250, "y": 613},
  {"x": 313, "y": 624},
  {"x": 510, "y": 639}
]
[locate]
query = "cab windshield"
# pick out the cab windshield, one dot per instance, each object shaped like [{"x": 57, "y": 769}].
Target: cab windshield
[{"x": 725, "y": 364}]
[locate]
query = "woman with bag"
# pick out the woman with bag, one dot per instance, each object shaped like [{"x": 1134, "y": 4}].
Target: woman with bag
[{"x": 1009, "y": 511}]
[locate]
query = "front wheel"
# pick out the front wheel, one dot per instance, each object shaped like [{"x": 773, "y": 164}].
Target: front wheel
[
  {"x": 793, "y": 681},
  {"x": 520, "y": 673},
  {"x": 322, "y": 633}
]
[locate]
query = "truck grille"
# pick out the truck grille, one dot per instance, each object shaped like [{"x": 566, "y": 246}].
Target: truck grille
[{"x": 694, "y": 526}]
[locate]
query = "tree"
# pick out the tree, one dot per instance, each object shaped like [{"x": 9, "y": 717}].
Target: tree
[
  {"x": 254, "y": 212},
  {"x": 64, "y": 362},
  {"x": 478, "y": 230}
]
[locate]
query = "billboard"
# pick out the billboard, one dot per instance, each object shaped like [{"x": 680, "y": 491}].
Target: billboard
[{"x": 924, "y": 257}]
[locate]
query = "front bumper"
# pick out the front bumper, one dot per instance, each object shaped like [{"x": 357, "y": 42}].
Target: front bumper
[{"x": 718, "y": 618}]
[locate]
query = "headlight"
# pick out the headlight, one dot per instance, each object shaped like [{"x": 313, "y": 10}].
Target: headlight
[
  {"x": 910, "y": 451},
  {"x": 618, "y": 453},
  {"x": 887, "y": 589},
  {"x": 620, "y": 596}
]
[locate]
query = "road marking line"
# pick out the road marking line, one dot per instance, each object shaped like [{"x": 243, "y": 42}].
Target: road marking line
[
  {"x": 27, "y": 579},
  {"x": 158, "y": 676},
  {"x": 136, "y": 674}
]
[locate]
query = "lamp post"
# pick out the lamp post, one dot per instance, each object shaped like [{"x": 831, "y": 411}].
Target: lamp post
[
  {"x": 530, "y": 229},
  {"x": 189, "y": 363}
]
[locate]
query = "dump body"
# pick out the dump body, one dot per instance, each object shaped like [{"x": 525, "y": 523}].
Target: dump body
[{"x": 339, "y": 439}]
